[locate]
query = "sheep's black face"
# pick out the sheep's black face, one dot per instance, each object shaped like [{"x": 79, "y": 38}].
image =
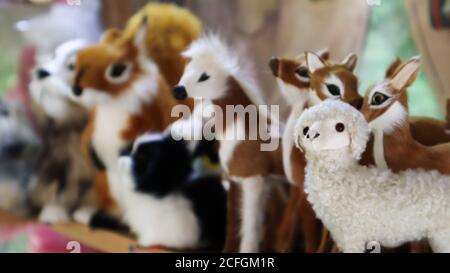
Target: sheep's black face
[{"x": 160, "y": 166}]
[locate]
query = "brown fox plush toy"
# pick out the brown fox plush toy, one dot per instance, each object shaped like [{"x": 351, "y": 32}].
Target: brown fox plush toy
[{"x": 125, "y": 80}]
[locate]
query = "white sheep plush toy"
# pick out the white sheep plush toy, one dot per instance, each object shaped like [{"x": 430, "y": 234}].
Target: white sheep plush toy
[{"x": 361, "y": 204}]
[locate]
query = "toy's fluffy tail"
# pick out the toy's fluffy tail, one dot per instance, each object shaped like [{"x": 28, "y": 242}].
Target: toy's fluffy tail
[{"x": 170, "y": 30}]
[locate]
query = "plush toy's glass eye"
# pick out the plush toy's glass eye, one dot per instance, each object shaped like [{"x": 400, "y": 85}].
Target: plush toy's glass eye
[
  {"x": 117, "y": 70},
  {"x": 334, "y": 89},
  {"x": 71, "y": 66},
  {"x": 204, "y": 77},
  {"x": 302, "y": 72},
  {"x": 118, "y": 73},
  {"x": 340, "y": 127},
  {"x": 305, "y": 130},
  {"x": 378, "y": 99}
]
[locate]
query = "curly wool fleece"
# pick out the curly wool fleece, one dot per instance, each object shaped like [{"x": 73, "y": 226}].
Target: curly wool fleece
[{"x": 361, "y": 204}]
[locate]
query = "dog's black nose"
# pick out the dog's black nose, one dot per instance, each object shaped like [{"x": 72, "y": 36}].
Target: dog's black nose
[
  {"x": 274, "y": 66},
  {"x": 77, "y": 91},
  {"x": 179, "y": 92},
  {"x": 42, "y": 73}
]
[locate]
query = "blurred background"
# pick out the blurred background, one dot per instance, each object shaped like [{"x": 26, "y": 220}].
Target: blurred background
[{"x": 378, "y": 30}]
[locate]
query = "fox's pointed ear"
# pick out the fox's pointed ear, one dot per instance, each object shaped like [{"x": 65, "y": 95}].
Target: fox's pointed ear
[
  {"x": 324, "y": 54},
  {"x": 350, "y": 61},
  {"x": 390, "y": 72},
  {"x": 111, "y": 35},
  {"x": 406, "y": 74},
  {"x": 314, "y": 62},
  {"x": 141, "y": 35}
]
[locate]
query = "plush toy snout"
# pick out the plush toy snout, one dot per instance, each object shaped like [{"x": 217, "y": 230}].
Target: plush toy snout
[
  {"x": 77, "y": 90},
  {"x": 179, "y": 92},
  {"x": 313, "y": 132},
  {"x": 42, "y": 74}
]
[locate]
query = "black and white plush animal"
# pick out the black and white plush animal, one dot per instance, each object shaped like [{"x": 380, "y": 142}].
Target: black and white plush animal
[{"x": 165, "y": 205}]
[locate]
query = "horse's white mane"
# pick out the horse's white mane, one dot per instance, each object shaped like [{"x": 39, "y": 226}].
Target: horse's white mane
[{"x": 212, "y": 47}]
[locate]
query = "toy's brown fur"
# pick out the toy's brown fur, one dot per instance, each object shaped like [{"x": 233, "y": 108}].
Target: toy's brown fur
[
  {"x": 427, "y": 131},
  {"x": 169, "y": 31},
  {"x": 402, "y": 151}
]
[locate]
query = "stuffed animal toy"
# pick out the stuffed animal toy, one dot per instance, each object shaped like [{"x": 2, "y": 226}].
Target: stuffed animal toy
[
  {"x": 163, "y": 204},
  {"x": 294, "y": 79},
  {"x": 120, "y": 81},
  {"x": 63, "y": 179},
  {"x": 393, "y": 146},
  {"x": 213, "y": 73},
  {"x": 427, "y": 131},
  {"x": 19, "y": 152},
  {"x": 360, "y": 204},
  {"x": 170, "y": 30}
]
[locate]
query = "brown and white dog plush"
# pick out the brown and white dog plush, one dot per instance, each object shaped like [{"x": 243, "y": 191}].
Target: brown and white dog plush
[
  {"x": 214, "y": 74},
  {"x": 385, "y": 108},
  {"x": 329, "y": 81},
  {"x": 128, "y": 97}
]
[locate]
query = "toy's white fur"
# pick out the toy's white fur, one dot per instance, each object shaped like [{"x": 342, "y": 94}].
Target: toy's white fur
[
  {"x": 253, "y": 202},
  {"x": 393, "y": 117},
  {"x": 378, "y": 149},
  {"x": 168, "y": 221},
  {"x": 292, "y": 94},
  {"x": 112, "y": 116},
  {"x": 54, "y": 92},
  {"x": 211, "y": 55},
  {"x": 333, "y": 79},
  {"x": 54, "y": 213},
  {"x": 360, "y": 204}
]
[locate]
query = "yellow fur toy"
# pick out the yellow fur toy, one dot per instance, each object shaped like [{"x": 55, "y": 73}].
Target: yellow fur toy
[{"x": 170, "y": 30}]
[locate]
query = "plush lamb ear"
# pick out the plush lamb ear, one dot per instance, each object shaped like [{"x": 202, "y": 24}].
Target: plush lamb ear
[
  {"x": 406, "y": 74},
  {"x": 324, "y": 54},
  {"x": 359, "y": 133},
  {"x": 350, "y": 62},
  {"x": 393, "y": 68},
  {"x": 314, "y": 62},
  {"x": 111, "y": 35},
  {"x": 298, "y": 144}
]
